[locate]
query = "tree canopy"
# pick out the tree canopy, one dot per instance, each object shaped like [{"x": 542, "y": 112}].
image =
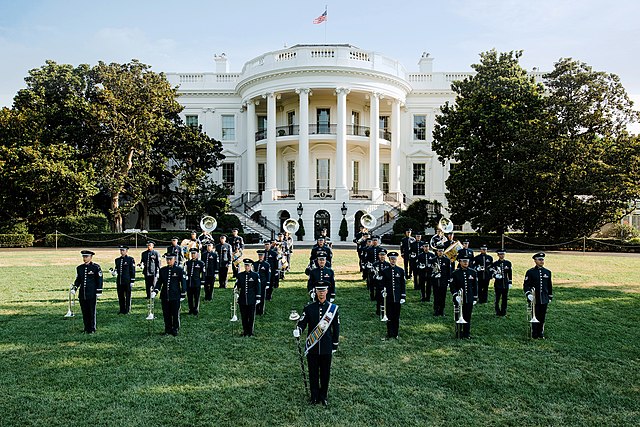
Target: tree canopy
[{"x": 544, "y": 159}]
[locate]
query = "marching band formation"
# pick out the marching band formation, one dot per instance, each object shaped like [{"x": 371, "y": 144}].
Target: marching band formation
[{"x": 431, "y": 264}]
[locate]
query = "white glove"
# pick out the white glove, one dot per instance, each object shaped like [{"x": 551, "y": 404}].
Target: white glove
[
  {"x": 510, "y": 285},
  {"x": 181, "y": 299},
  {"x": 98, "y": 295},
  {"x": 475, "y": 302},
  {"x": 530, "y": 297},
  {"x": 332, "y": 299},
  {"x": 402, "y": 301},
  {"x": 296, "y": 333},
  {"x": 333, "y": 351},
  {"x": 257, "y": 302},
  {"x": 72, "y": 291},
  {"x": 153, "y": 294}
]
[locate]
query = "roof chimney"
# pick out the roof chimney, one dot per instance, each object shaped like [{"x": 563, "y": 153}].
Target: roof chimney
[
  {"x": 426, "y": 63},
  {"x": 222, "y": 65}
]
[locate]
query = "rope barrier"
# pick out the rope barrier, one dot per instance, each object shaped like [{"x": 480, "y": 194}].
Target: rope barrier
[
  {"x": 612, "y": 244},
  {"x": 541, "y": 246},
  {"x": 93, "y": 241}
]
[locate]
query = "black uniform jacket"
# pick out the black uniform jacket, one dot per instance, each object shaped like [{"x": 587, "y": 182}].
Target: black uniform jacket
[
  {"x": 224, "y": 254},
  {"x": 195, "y": 273},
  {"x": 445, "y": 266},
  {"x": 505, "y": 267},
  {"x": 539, "y": 278},
  {"x": 210, "y": 260},
  {"x": 151, "y": 261},
  {"x": 88, "y": 280},
  {"x": 249, "y": 286},
  {"x": 126, "y": 268},
  {"x": 467, "y": 281},
  {"x": 325, "y": 274},
  {"x": 311, "y": 315},
  {"x": 394, "y": 282},
  {"x": 482, "y": 264},
  {"x": 171, "y": 283},
  {"x": 264, "y": 271}
]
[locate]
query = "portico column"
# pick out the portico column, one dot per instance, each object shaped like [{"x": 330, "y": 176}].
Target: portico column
[
  {"x": 341, "y": 145},
  {"x": 374, "y": 154},
  {"x": 252, "y": 182},
  {"x": 394, "y": 167},
  {"x": 271, "y": 179},
  {"x": 303, "y": 167}
]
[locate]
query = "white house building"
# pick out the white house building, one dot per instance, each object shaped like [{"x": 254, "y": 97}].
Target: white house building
[{"x": 327, "y": 128}]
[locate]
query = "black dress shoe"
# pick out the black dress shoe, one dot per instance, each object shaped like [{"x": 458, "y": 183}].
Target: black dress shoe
[{"x": 325, "y": 402}]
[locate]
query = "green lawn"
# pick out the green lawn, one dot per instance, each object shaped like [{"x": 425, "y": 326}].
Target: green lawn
[{"x": 585, "y": 373}]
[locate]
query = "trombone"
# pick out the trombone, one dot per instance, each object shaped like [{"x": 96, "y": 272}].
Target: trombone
[
  {"x": 150, "y": 306},
  {"x": 531, "y": 312},
  {"x": 384, "y": 306},
  {"x": 234, "y": 305},
  {"x": 457, "y": 313},
  {"x": 72, "y": 301}
]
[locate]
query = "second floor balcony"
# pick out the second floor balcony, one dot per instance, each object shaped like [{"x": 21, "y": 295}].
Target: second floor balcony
[{"x": 323, "y": 129}]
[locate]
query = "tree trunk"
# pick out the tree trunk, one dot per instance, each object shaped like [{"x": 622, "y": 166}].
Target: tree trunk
[
  {"x": 116, "y": 222},
  {"x": 143, "y": 215}
]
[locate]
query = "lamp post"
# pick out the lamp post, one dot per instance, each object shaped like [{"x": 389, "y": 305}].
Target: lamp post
[
  {"x": 300, "y": 209},
  {"x": 344, "y": 210},
  {"x": 300, "y": 232},
  {"x": 344, "y": 231}
]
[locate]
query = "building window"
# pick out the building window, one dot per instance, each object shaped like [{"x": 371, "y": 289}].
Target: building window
[
  {"x": 191, "y": 121},
  {"x": 291, "y": 121},
  {"x": 322, "y": 175},
  {"x": 322, "y": 120},
  {"x": 419, "y": 175},
  {"x": 262, "y": 123},
  {"x": 356, "y": 177},
  {"x": 384, "y": 177},
  {"x": 291, "y": 175},
  {"x": 228, "y": 128},
  {"x": 384, "y": 123},
  {"x": 229, "y": 177},
  {"x": 355, "y": 122},
  {"x": 420, "y": 127},
  {"x": 262, "y": 177},
  {"x": 155, "y": 222},
  {"x": 192, "y": 222}
]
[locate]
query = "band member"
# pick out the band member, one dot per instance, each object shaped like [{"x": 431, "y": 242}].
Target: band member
[
  {"x": 465, "y": 252},
  {"x": 363, "y": 248},
  {"x": 126, "y": 269},
  {"x": 321, "y": 246},
  {"x": 88, "y": 284},
  {"x": 194, "y": 242},
  {"x": 176, "y": 249},
  {"x": 322, "y": 274},
  {"x": 440, "y": 278},
  {"x": 422, "y": 275},
  {"x": 171, "y": 285},
  {"x": 538, "y": 285},
  {"x": 248, "y": 287},
  {"x": 195, "y": 277},
  {"x": 237, "y": 247},
  {"x": 288, "y": 244},
  {"x": 482, "y": 264},
  {"x": 449, "y": 240},
  {"x": 271, "y": 256},
  {"x": 415, "y": 248},
  {"x": 370, "y": 258},
  {"x": 405, "y": 251},
  {"x": 205, "y": 238},
  {"x": 225, "y": 253},
  {"x": 394, "y": 284},
  {"x": 263, "y": 269},
  {"x": 150, "y": 260},
  {"x": 358, "y": 236},
  {"x": 464, "y": 288},
  {"x": 210, "y": 259},
  {"x": 323, "y": 338},
  {"x": 377, "y": 269},
  {"x": 327, "y": 240},
  {"x": 503, "y": 275}
]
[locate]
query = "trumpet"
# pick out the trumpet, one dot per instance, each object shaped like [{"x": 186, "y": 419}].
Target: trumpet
[
  {"x": 150, "y": 307},
  {"x": 531, "y": 312},
  {"x": 498, "y": 273},
  {"x": 113, "y": 272},
  {"x": 457, "y": 313},
  {"x": 234, "y": 305},
  {"x": 140, "y": 265},
  {"x": 72, "y": 301},
  {"x": 384, "y": 306},
  {"x": 436, "y": 270}
]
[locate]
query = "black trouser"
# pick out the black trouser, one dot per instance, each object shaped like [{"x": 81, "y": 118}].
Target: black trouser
[
  {"x": 501, "y": 300},
  {"x": 393, "y": 314},
  {"x": 372, "y": 285},
  {"x": 149, "y": 283},
  {"x": 263, "y": 293},
  {"x": 439, "y": 297},
  {"x": 248, "y": 314},
  {"x": 171, "y": 315},
  {"x": 466, "y": 315},
  {"x": 234, "y": 270},
  {"x": 483, "y": 290},
  {"x": 209, "y": 282},
  {"x": 124, "y": 297},
  {"x": 537, "y": 329},
  {"x": 414, "y": 272},
  {"x": 319, "y": 374},
  {"x": 88, "y": 307},
  {"x": 193, "y": 295},
  {"x": 426, "y": 285},
  {"x": 407, "y": 272},
  {"x": 419, "y": 283},
  {"x": 222, "y": 275},
  {"x": 379, "y": 301},
  {"x": 275, "y": 282}
]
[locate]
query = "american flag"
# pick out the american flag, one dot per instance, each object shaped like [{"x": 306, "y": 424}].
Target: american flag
[{"x": 320, "y": 19}]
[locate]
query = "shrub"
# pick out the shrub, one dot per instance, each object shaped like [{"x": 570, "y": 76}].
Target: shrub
[
  {"x": 403, "y": 223},
  {"x": 91, "y": 223},
  {"x": 300, "y": 232},
  {"x": 22, "y": 240},
  {"x": 14, "y": 226},
  {"x": 344, "y": 230}
]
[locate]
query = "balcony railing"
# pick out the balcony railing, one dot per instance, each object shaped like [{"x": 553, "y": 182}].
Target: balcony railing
[
  {"x": 360, "y": 195},
  {"x": 285, "y": 195},
  {"x": 323, "y": 129},
  {"x": 288, "y": 130},
  {"x": 322, "y": 194},
  {"x": 384, "y": 134},
  {"x": 358, "y": 130}
]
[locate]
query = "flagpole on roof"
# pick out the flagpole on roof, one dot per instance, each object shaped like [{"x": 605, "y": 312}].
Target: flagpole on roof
[{"x": 325, "y": 24}]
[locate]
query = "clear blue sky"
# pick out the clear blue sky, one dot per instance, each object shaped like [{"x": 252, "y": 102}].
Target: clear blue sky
[{"x": 184, "y": 35}]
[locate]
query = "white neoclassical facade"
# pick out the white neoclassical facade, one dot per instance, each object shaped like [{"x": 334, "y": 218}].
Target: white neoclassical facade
[{"x": 324, "y": 128}]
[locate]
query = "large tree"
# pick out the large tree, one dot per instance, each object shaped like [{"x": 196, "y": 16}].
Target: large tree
[{"x": 545, "y": 160}]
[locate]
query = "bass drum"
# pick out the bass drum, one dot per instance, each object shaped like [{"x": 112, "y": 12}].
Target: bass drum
[{"x": 452, "y": 251}]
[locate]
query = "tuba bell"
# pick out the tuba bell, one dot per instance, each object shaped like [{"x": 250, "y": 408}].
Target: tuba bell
[
  {"x": 290, "y": 225},
  {"x": 208, "y": 224},
  {"x": 445, "y": 224},
  {"x": 368, "y": 221}
]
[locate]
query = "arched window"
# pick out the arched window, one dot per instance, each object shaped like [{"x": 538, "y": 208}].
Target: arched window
[{"x": 322, "y": 219}]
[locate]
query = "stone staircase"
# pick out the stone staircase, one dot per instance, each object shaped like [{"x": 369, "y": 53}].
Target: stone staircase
[{"x": 250, "y": 226}]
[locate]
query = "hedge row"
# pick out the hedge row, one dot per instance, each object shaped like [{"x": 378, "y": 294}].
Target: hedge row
[
  {"x": 16, "y": 240},
  {"x": 495, "y": 242},
  {"x": 162, "y": 238}
]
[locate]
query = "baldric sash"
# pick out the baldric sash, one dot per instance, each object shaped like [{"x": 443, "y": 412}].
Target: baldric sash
[{"x": 320, "y": 329}]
